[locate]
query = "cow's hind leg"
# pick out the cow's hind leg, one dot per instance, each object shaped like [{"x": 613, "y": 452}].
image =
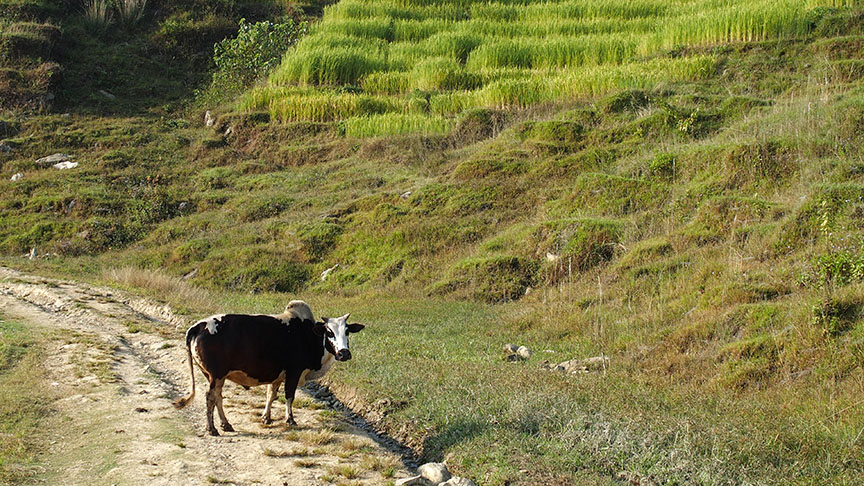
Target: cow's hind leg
[
  {"x": 225, "y": 425},
  {"x": 291, "y": 381},
  {"x": 214, "y": 391},
  {"x": 272, "y": 391}
]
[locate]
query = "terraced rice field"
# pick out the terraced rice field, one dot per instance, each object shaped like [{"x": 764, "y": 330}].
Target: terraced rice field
[{"x": 417, "y": 66}]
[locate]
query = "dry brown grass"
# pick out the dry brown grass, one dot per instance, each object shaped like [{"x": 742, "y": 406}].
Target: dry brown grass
[{"x": 158, "y": 282}]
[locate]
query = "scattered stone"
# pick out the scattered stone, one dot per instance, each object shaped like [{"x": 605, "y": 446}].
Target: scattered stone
[
  {"x": 634, "y": 479},
  {"x": 413, "y": 481},
  {"x": 107, "y": 94},
  {"x": 551, "y": 257},
  {"x": 405, "y": 195},
  {"x": 510, "y": 348},
  {"x": 52, "y": 159},
  {"x": 512, "y": 358},
  {"x": 191, "y": 274},
  {"x": 182, "y": 206},
  {"x": 141, "y": 410},
  {"x": 326, "y": 273},
  {"x": 209, "y": 121},
  {"x": 524, "y": 352},
  {"x": 435, "y": 472},
  {"x": 32, "y": 254},
  {"x": 457, "y": 481},
  {"x": 16, "y": 177},
  {"x": 579, "y": 366},
  {"x": 65, "y": 165}
]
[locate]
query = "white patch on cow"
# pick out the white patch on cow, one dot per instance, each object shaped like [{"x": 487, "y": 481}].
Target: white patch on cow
[{"x": 212, "y": 324}]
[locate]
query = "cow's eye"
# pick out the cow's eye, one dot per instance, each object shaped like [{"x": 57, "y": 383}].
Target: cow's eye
[{"x": 330, "y": 334}]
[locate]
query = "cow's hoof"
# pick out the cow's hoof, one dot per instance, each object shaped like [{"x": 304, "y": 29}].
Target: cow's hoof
[
  {"x": 227, "y": 428},
  {"x": 214, "y": 432},
  {"x": 290, "y": 421},
  {"x": 266, "y": 420}
]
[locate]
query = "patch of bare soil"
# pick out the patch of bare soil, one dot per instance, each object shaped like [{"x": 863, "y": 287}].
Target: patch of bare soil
[{"x": 115, "y": 423}]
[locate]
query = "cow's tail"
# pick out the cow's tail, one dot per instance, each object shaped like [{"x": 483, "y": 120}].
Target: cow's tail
[{"x": 191, "y": 334}]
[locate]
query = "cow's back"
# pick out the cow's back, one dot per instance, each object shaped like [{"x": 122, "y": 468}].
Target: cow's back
[{"x": 259, "y": 346}]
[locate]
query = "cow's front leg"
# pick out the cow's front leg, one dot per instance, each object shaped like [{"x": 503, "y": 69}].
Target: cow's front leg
[
  {"x": 272, "y": 391},
  {"x": 291, "y": 380}
]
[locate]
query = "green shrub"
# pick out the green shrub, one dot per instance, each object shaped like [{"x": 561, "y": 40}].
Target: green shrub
[
  {"x": 492, "y": 279},
  {"x": 257, "y": 49}
]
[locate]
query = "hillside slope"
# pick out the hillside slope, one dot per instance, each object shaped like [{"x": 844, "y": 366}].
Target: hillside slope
[{"x": 703, "y": 230}]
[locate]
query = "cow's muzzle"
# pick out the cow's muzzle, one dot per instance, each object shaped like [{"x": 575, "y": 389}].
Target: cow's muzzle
[{"x": 343, "y": 355}]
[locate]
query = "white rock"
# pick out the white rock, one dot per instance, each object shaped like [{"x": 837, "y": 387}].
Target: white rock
[
  {"x": 208, "y": 119},
  {"x": 65, "y": 165},
  {"x": 17, "y": 177},
  {"x": 551, "y": 257},
  {"x": 524, "y": 352},
  {"x": 457, "y": 481},
  {"x": 405, "y": 195},
  {"x": 326, "y": 273},
  {"x": 435, "y": 472},
  {"x": 52, "y": 159},
  {"x": 107, "y": 94},
  {"x": 412, "y": 481},
  {"x": 510, "y": 348}
]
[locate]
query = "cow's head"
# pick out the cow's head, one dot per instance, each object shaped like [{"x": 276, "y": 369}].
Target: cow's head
[{"x": 336, "y": 333}]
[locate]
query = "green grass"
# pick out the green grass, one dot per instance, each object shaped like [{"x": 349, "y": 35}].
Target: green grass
[
  {"x": 23, "y": 404},
  {"x": 691, "y": 209}
]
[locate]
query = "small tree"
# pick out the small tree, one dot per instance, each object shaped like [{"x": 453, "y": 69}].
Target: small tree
[{"x": 256, "y": 50}]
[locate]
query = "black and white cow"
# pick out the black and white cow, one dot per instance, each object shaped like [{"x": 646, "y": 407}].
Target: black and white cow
[{"x": 253, "y": 350}]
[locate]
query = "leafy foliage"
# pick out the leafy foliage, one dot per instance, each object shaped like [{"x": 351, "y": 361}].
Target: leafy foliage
[{"x": 256, "y": 50}]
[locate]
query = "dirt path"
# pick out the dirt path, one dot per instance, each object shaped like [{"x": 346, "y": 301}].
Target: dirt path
[{"x": 115, "y": 423}]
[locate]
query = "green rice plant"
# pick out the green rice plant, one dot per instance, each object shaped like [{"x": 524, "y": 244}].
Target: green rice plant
[
  {"x": 517, "y": 53},
  {"x": 321, "y": 65},
  {"x": 442, "y": 73},
  {"x": 417, "y": 30},
  {"x": 454, "y": 102},
  {"x": 335, "y": 40},
  {"x": 516, "y": 93},
  {"x": 602, "y": 79},
  {"x": 385, "y": 83},
  {"x": 396, "y": 124},
  {"x": 375, "y": 28},
  {"x": 328, "y": 106},
  {"x": 455, "y": 44}
]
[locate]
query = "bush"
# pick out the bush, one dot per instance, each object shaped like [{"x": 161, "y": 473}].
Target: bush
[{"x": 257, "y": 49}]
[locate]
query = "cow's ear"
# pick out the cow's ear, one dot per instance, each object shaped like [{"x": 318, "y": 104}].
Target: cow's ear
[
  {"x": 355, "y": 327},
  {"x": 318, "y": 329}
]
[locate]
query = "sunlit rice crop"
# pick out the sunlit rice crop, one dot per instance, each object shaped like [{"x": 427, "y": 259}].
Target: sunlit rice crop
[
  {"x": 396, "y": 124},
  {"x": 436, "y": 59}
]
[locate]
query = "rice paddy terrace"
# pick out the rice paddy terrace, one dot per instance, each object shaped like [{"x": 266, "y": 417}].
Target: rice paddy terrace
[{"x": 415, "y": 66}]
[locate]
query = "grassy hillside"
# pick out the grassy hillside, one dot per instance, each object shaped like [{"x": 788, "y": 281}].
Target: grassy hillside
[{"x": 677, "y": 185}]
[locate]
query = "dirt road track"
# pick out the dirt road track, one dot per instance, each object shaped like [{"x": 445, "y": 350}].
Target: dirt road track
[{"x": 114, "y": 388}]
